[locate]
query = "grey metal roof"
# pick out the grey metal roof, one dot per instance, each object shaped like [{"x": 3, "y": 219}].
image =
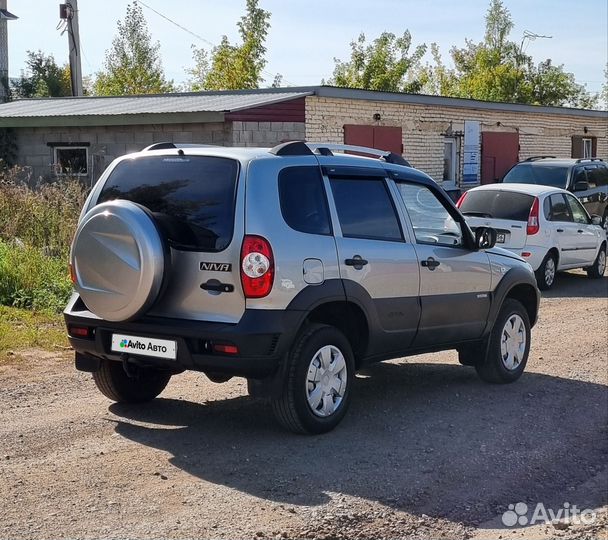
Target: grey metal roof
[
  {"x": 155, "y": 104},
  {"x": 211, "y": 106}
]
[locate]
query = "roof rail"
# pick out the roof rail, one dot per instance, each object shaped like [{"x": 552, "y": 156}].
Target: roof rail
[
  {"x": 169, "y": 145},
  {"x": 582, "y": 160},
  {"x": 327, "y": 149},
  {"x": 534, "y": 158}
]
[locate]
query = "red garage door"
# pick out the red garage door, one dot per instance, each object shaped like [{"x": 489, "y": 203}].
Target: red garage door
[
  {"x": 381, "y": 137},
  {"x": 499, "y": 152}
]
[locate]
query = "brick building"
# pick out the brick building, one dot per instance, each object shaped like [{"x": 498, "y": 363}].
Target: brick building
[{"x": 457, "y": 140}]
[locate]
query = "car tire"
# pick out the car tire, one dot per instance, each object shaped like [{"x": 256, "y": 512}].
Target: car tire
[
  {"x": 546, "y": 273},
  {"x": 115, "y": 384},
  {"x": 509, "y": 345},
  {"x": 318, "y": 379},
  {"x": 599, "y": 266}
]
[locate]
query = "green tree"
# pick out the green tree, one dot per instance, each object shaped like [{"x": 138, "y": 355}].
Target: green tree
[
  {"x": 383, "y": 64},
  {"x": 497, "y": 69},
  {"x": 234, "y": 67},
  {"x": 132, "y": 65},
  {"x": 43, "y": 77}
]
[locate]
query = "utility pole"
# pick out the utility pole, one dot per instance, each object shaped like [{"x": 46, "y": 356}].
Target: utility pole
[
  {"x": 4, "y": 17},
  {"x": 69, "y": 13}
]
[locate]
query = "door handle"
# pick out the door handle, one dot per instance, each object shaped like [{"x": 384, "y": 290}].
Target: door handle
[
  {"x": 430, "y": 263},
  {"x": 216, "y": 286},
  {"x": 357, "y": 262},
  {"x": 560, "y": 230},
  {"x": 580, "y": 231}
]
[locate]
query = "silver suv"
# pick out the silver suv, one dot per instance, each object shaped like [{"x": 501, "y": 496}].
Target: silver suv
[{"x": 292, "y": 267}]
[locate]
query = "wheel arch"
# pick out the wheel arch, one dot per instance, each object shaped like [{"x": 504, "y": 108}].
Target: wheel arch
[
  {"x": 347, "y": 317},
  {"x": 525, "y": 295}
]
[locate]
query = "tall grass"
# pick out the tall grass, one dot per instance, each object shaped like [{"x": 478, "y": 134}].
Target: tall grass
[
  {"x": 44, "y": 217},
  {"x": 36, "y": 229}
]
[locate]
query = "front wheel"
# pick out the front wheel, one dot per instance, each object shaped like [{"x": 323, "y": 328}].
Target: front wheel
[
  {"x": 509, "y": 345},
  {"x": 316, "y": 392},
  {"x": 545, "y": 275},
  {"x": 144, "y": 384},
  {"x": 599, "y": 266}
]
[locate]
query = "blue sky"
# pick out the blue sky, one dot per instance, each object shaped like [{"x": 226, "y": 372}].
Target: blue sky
[{"x": 306, "y": 36}]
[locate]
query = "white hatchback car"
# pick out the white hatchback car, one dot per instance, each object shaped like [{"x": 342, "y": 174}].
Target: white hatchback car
[{"x": 547, "y": 226}]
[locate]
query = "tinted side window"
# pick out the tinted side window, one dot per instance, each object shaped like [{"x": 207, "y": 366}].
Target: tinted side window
[
  {"x": 365, "y": 209},
  {"x": 578, "y": 212},
  {"x": 559, "y": 208},
  {"x": 578, "y": 175},
  {"x": 598, "y": 177},
  {"x": 303, "y": 202}
]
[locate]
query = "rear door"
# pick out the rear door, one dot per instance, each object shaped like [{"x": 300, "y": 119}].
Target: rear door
[
  {"x": 505, "y": 211},
  {"x": 565, "y": 231},
  {"x": 194, "y": 201},
  {"x": 378, "y": 264},
  {"x": 455, "y": 281}
]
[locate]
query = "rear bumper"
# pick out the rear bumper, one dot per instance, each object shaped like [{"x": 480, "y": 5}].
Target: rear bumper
[{"x": 262, "y": 338}]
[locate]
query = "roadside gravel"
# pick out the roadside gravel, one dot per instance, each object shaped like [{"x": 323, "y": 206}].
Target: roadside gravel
[{"x": 426, "y": 451}]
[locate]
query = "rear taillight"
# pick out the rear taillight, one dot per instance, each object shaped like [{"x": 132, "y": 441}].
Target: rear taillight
[
  {"x": 462, "y": 198},
  {"x": 73, "y": 274},
  {"x": 533, "y": 220},
  {"x": 257, "y": 267}
]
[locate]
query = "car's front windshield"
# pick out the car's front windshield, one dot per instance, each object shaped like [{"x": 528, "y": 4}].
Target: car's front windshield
[{"x": 545, "y": 175}]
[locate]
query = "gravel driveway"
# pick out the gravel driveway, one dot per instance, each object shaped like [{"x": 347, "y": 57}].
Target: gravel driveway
[{"x": 426, "y": 451}]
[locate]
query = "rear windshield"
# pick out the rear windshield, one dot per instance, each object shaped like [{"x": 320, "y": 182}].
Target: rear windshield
[
  {"x": 545, "y": 175},
  {"x": 497, "y": 204},
  {"x": 191, "y": 197}
]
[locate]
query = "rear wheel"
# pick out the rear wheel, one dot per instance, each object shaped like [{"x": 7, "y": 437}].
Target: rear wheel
[
  {"x": 509, "y": 345},
  {"x": 599, "y": 266},
  {"x": 545, "y": 275},
  {"x": 115, "y": 384},
  {"x": 319, "y": 375}
]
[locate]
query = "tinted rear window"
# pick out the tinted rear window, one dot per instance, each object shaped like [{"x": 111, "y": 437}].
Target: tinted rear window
[
  {"x": 303, "y": 202},
  {"x": 544, "y": 175},
  {"x": 191, "y": 197},
  {"x": 497, "y": 205}
]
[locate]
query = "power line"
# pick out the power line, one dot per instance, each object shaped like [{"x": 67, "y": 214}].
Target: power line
[{"x": 201, "y": 38}]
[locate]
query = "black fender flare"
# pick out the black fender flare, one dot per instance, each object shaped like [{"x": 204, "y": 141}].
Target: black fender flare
[{"x": 514, "y": 278}]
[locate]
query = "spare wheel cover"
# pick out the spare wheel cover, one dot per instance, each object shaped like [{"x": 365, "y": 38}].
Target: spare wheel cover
[{"x": 118, "y": 258}]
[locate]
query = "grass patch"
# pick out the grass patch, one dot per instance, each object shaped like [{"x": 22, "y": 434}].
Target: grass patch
[
  {"x": 23, "y": 329},
  {"x": 31, "y": 279}
]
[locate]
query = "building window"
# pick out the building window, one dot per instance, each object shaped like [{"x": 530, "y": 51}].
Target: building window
[
  {"x": 450, "y": 159},
  {"x": 71, "y": 160},
  {"x": 587, "y": 148}
]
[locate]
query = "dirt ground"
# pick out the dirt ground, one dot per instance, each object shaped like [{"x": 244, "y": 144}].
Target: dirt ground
[{"x": 426, "y": 451}]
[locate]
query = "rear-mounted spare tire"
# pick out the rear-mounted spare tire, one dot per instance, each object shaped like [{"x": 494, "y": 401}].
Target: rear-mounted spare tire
[{"x": 118, "y": 260}]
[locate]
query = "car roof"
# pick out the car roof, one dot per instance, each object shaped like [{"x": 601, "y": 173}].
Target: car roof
[
  {"x": 564, "y": 162},
  {"x": 535, "y": 190},
  {"x": 246, "y": 154}
]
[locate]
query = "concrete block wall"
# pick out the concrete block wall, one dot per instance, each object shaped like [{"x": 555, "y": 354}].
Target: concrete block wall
[
  {"x": 107, "y": 143},
  {"x": 264, "y": 134},
  {"x": 424, "y": 127}
]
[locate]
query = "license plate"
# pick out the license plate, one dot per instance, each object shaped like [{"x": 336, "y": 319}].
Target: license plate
[
  {"x": 500, "y": 238},
  {"x": 142, "y": 346}
]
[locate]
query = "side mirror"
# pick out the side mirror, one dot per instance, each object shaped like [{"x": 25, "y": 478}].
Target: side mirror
[
  {"x": 581, "y": 185},
  {"x": 485, "y": 237},
  {"x": 596, "y": 220}
]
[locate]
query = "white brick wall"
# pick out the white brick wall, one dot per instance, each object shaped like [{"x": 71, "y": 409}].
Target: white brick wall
[{"x": 423, "y": 127}]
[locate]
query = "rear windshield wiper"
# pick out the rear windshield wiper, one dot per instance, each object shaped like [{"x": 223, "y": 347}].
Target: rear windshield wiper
[{"x": 477, "y": 214}]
